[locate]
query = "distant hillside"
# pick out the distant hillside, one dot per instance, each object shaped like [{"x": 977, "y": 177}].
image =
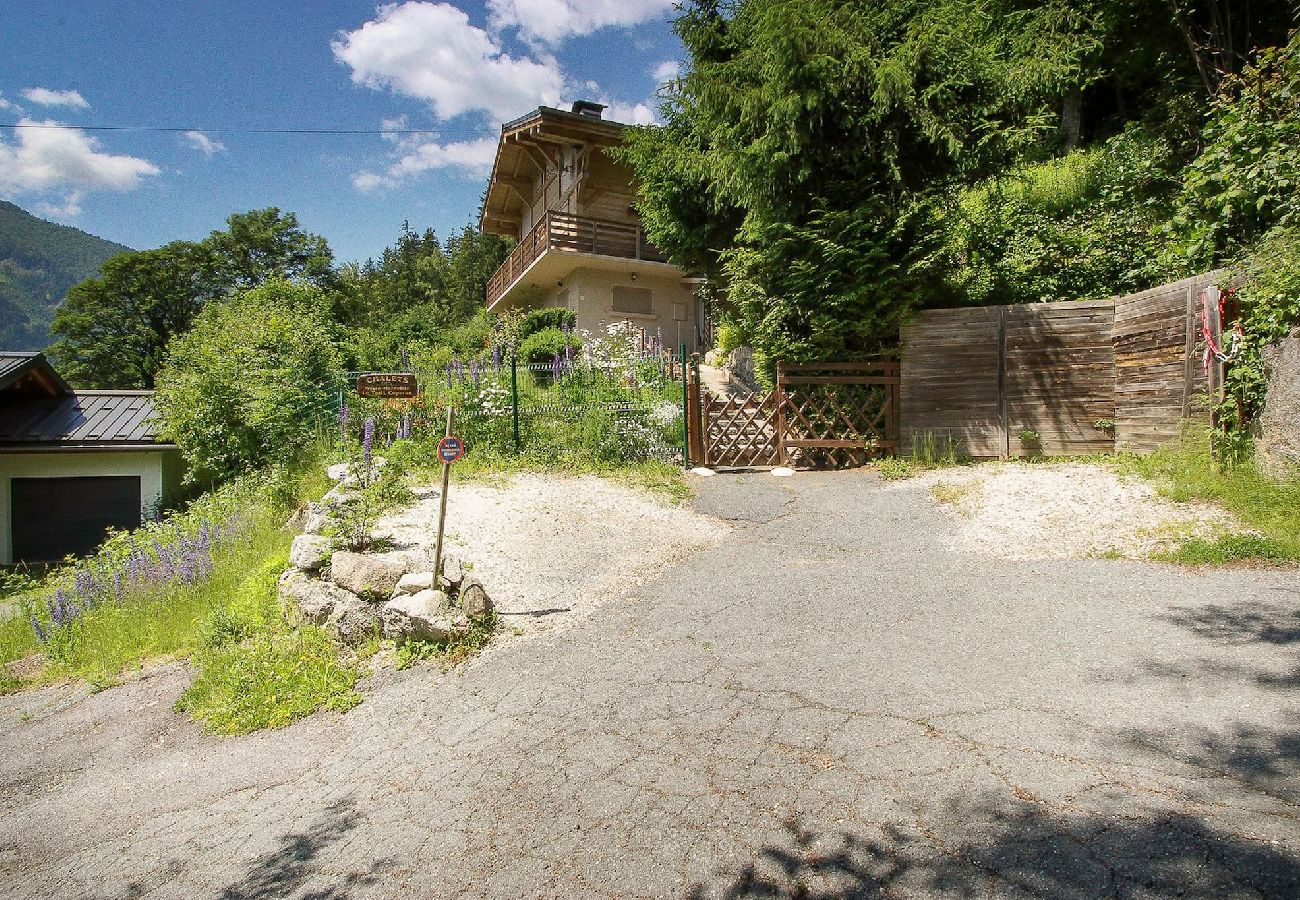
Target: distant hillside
[{"x": 39, "y": 262}]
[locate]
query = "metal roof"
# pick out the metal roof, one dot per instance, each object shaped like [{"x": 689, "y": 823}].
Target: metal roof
[
  {"x": 83, "y": 419},
  {"x": 15, "y": 364}
]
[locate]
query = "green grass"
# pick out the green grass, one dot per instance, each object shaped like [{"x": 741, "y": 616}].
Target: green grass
[
  {"x": 270, "y": 680},
  {"x": 1271, "y": 509}
]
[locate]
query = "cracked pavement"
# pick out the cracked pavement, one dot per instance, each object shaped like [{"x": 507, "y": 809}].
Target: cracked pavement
[{"x": 828, "y": 704}]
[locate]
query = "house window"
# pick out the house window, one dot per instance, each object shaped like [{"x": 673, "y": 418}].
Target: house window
[{"x": 633, "y": 301}]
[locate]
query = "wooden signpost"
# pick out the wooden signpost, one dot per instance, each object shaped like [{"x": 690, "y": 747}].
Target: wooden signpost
[
  {"x": 450, "y": 449},
  {"x": 388, "y": 385}
]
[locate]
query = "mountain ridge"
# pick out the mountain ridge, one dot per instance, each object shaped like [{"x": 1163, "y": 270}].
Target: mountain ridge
[{"x": 40, "y": 261}]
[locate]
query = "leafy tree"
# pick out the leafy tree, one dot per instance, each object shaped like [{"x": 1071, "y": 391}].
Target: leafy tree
[
  {"x": 265, "y": 244},
  {"x": 113, "y": 330},
  {"x": 250, "y": 383}
]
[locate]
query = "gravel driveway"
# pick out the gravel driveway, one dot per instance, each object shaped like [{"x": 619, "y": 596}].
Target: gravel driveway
[{"x": 828, "y": 703}]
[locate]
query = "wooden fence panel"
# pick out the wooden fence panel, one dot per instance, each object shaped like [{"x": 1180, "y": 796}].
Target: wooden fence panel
[
  {"x": 1060, "y": 378},
  {"x": 1158, "y": 360},
  {"x": 951, "y": 379}
]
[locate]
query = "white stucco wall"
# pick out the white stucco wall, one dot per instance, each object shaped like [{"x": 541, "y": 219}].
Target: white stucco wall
[
  {"x": 590, "y": 294},
  {"x": 157, "y": 481}
]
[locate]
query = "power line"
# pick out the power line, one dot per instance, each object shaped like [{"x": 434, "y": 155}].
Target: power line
[{"x": 182, "y": 130}]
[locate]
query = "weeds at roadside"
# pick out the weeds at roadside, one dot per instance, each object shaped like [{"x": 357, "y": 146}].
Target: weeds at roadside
[
  {"x": 954, "y": 494},
  {"x": 1189, "y": 471},
  {"x": 452, "y": 653}
]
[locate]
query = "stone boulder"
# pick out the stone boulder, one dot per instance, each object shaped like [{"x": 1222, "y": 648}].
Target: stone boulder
[
  {"x": 318, "y": 602},
  {"x": 310, "y": 552},
  {"x": 315, "y": 519},
  {"x": 425, "y": 616},
  {"x": 413, "y": 583},
  {"x": 452, "y": 574},
  {"x": 368, "y": 574},
  {"x": 1277, "y": 439},
  {"x": 474, "y": 599}
]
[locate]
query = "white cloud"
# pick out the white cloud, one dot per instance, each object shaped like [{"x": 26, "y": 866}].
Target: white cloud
[
  {"x": 202, "y": 142},
  {"x": 69, "y": 208},
  {"x": 631, "y": 113},
  {"x": 554, "y": 20},
  {"x": 5, "y": 104},
  {"x": 56, "y": 158},
  {"x": 47, "y": 97},
  {"x": 470, "y": 158},
  {"x": 668, "y": 70},
  {"x": 432, "y": 52}
]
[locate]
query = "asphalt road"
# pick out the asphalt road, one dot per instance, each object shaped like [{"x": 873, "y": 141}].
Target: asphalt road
[{"x": 828, "y": 704}]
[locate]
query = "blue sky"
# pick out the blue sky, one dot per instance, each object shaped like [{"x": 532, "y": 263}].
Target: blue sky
[{"x": 218, "y": 66}]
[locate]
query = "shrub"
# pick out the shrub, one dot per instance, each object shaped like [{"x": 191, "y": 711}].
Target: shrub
[
  {"x": 536, "y": 320},
  {"x": 250, "y": 384},
  {"x": 543, "y": 346}
]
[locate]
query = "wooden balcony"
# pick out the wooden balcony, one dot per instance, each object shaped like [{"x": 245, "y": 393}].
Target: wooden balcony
[{"x": 571, "y": 234}]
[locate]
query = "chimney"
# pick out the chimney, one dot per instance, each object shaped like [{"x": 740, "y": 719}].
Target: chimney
[{"x": 588, "y": 108}]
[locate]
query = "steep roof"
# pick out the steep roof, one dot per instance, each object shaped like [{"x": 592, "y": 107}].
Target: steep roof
[{"x": 34, "y": 369}]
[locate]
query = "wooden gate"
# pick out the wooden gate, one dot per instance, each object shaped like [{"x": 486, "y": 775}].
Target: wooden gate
[{"x": 821, "y": 415}]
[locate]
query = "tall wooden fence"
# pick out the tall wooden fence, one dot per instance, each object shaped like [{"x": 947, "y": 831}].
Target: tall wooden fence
[{"x": 1059, "y": 379}]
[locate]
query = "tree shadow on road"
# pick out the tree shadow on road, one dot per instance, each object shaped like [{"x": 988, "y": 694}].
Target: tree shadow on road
[
  {"x": 1016, "y": 849},
  {"x": 295, "y": 860}
]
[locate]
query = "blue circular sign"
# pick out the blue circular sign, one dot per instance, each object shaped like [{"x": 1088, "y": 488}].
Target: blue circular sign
[{"x": 450, "y": 449}]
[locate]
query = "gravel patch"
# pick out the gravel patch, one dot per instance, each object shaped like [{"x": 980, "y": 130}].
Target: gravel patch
[
  {"x": 551, "y": 548},
  {"x": 1062, "y": 511}
]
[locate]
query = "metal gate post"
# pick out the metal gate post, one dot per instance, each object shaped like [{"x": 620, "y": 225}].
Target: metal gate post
[
  {"x": 686, "y": 411},
  {"x": 514, "y": 399}
]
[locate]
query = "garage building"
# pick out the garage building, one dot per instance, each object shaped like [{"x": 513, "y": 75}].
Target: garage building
[{"x": 74, "y": 464}]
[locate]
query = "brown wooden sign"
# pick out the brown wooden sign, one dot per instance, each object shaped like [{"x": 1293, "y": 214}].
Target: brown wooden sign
[{"x": 388, "y": 385}]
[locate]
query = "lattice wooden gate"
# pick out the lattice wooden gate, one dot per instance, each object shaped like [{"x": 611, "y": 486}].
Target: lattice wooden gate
[{"x": 823, "y": 415}]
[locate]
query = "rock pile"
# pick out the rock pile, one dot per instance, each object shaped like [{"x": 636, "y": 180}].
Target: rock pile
[{"x": 392, "y": 593}]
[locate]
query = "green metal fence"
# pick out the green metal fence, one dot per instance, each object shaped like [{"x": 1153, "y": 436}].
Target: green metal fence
[{"x": 624, "y": 408}]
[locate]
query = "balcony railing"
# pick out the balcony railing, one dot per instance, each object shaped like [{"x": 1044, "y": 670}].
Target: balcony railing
[{"x": 575, "y": 234}]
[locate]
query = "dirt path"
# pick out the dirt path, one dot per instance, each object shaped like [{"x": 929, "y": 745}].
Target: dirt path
[{"x": 830, "y": 702}]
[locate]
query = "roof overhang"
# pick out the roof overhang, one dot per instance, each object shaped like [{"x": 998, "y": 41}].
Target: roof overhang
[
  {"x": 31, "y": 373},
  {"x": 528, "y": 146}
]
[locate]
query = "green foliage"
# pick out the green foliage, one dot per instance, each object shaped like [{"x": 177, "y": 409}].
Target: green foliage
[
  {"x": 352, "y": 521},
  {"x": 113, "y": 330},
  {"x": 420, "y": 294},
  {"x": 1270, "y": 307},
  {"x": 270, "y": 681},
  {"x": 1246, "y": 181},
  {"x": 1228, "y": 549},
  {"x": 39, "y": 262},
  {"x": 550, "y": 317},
  {"x": 541, "y": 347},
  {"x": 1190, "y": 472},
  {"x": 1083, "y": 226},
  {"x": 250, "y": 384}
]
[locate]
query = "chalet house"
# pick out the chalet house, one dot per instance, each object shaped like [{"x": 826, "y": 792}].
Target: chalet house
[
  {"x": 580, "y": 242},
  {"x": 74, "y": 463}
]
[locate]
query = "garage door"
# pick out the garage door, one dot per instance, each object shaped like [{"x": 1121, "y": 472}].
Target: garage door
[{"x": 53, "y": 517}]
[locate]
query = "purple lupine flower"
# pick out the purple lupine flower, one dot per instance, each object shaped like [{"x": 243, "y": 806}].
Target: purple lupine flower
[
  {"x": 405, "y": 428},
  {"x": 449, "y": 376},
  {"x": 473, "y": 372},
  {"x": 367, "y": 443},
  {"x": 345, "y": 415},
  {"x": 406, "y": 360},
  {"x": 460, "y": 371},
  {"x": 496, "y": 358},
  {"x": 56, "y": 606},
  {"x": 41, "y": 634}
]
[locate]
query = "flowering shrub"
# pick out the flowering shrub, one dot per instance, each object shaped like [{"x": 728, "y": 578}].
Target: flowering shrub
[{"x": 177, "y": 550}]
